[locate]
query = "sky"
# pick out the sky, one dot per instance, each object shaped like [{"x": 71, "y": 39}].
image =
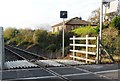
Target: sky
[{"x": 42, "y": 13}]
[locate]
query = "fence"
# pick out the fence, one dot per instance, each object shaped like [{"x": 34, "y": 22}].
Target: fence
[{"x": 87, "y": 46}]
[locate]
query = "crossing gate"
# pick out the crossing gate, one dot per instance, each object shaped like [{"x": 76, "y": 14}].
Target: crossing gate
[{"x": 86, "y": 45}]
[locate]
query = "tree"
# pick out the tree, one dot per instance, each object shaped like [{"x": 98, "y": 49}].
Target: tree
[
  {"x": 40, "y": 36},
  {"x": 116, "y": 22},
  {"x": 10, "y": 33},
  {"x": 24, "y": 36},
  {"x": 27, "y": 35},
  {"x": 111, "y": 39},
  {"x": 95, "y": 16}
]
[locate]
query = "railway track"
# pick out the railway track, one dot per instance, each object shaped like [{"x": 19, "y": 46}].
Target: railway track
[
  {"x": 24, "y": 54},
  {"x": 10, "y": 56},
  {"x": 30, "y": 57},
  {"x": 33, "y": 57}
]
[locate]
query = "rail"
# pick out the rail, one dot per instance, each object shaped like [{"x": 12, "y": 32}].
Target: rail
[{"x": 24, "y": 54}]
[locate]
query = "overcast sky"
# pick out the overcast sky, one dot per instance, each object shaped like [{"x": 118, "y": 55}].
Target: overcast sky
[{"x": 42, "y": 13}]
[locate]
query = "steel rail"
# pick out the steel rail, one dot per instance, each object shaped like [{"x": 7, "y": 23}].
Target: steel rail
[
  {"x": 15, "y": 53},
  {"x": 28, "y": 52},
  {"x": 10, "y": 56},
  {"x": 24, "y": 54}
]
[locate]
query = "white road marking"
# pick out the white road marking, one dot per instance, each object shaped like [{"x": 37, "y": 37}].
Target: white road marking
[
  {"x": 108, "y": 71},
  {"x": 23, "y": 69},
  {"x": 96, "y": 73},
  {"x": 83, "y": 70},
  {"x": 59, "y": 67},
  {"x": 33, "y": 78},
  {"x": 76, "y": 74}
]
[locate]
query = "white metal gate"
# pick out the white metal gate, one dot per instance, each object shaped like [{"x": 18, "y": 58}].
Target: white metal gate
[{"x": 86, "y": 46}]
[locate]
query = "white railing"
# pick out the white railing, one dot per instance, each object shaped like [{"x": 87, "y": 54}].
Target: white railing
[{"x": 87, "y": 46}]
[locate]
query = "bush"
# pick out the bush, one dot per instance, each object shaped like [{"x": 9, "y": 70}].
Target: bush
[
  {"x": 39, "y": 36},
  {"x": 111, "y": 40},
  {"x": 116, "y": 22},
  {"x": 88, "y": 30},
  {"x": 51, "y": 48},
  {"x": 10, "y": 33}
]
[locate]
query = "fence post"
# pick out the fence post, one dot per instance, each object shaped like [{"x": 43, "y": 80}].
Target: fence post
[
  {"x": 73, "y": 47},
  {"x": 97, "y": 56},
  {"x": 86, "y": 48}
]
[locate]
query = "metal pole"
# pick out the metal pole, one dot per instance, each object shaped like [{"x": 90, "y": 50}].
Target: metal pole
[
  {"x": 119, "y": 7},
  {"x": 1, "y": 51},
  {"x": 101, "y": 19},
  {"x": 101, "y": 24},
  {"x": 63, "y": 39}
]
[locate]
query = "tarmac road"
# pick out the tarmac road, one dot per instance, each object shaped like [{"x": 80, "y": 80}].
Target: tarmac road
[{"x": 103, "y": 72}]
